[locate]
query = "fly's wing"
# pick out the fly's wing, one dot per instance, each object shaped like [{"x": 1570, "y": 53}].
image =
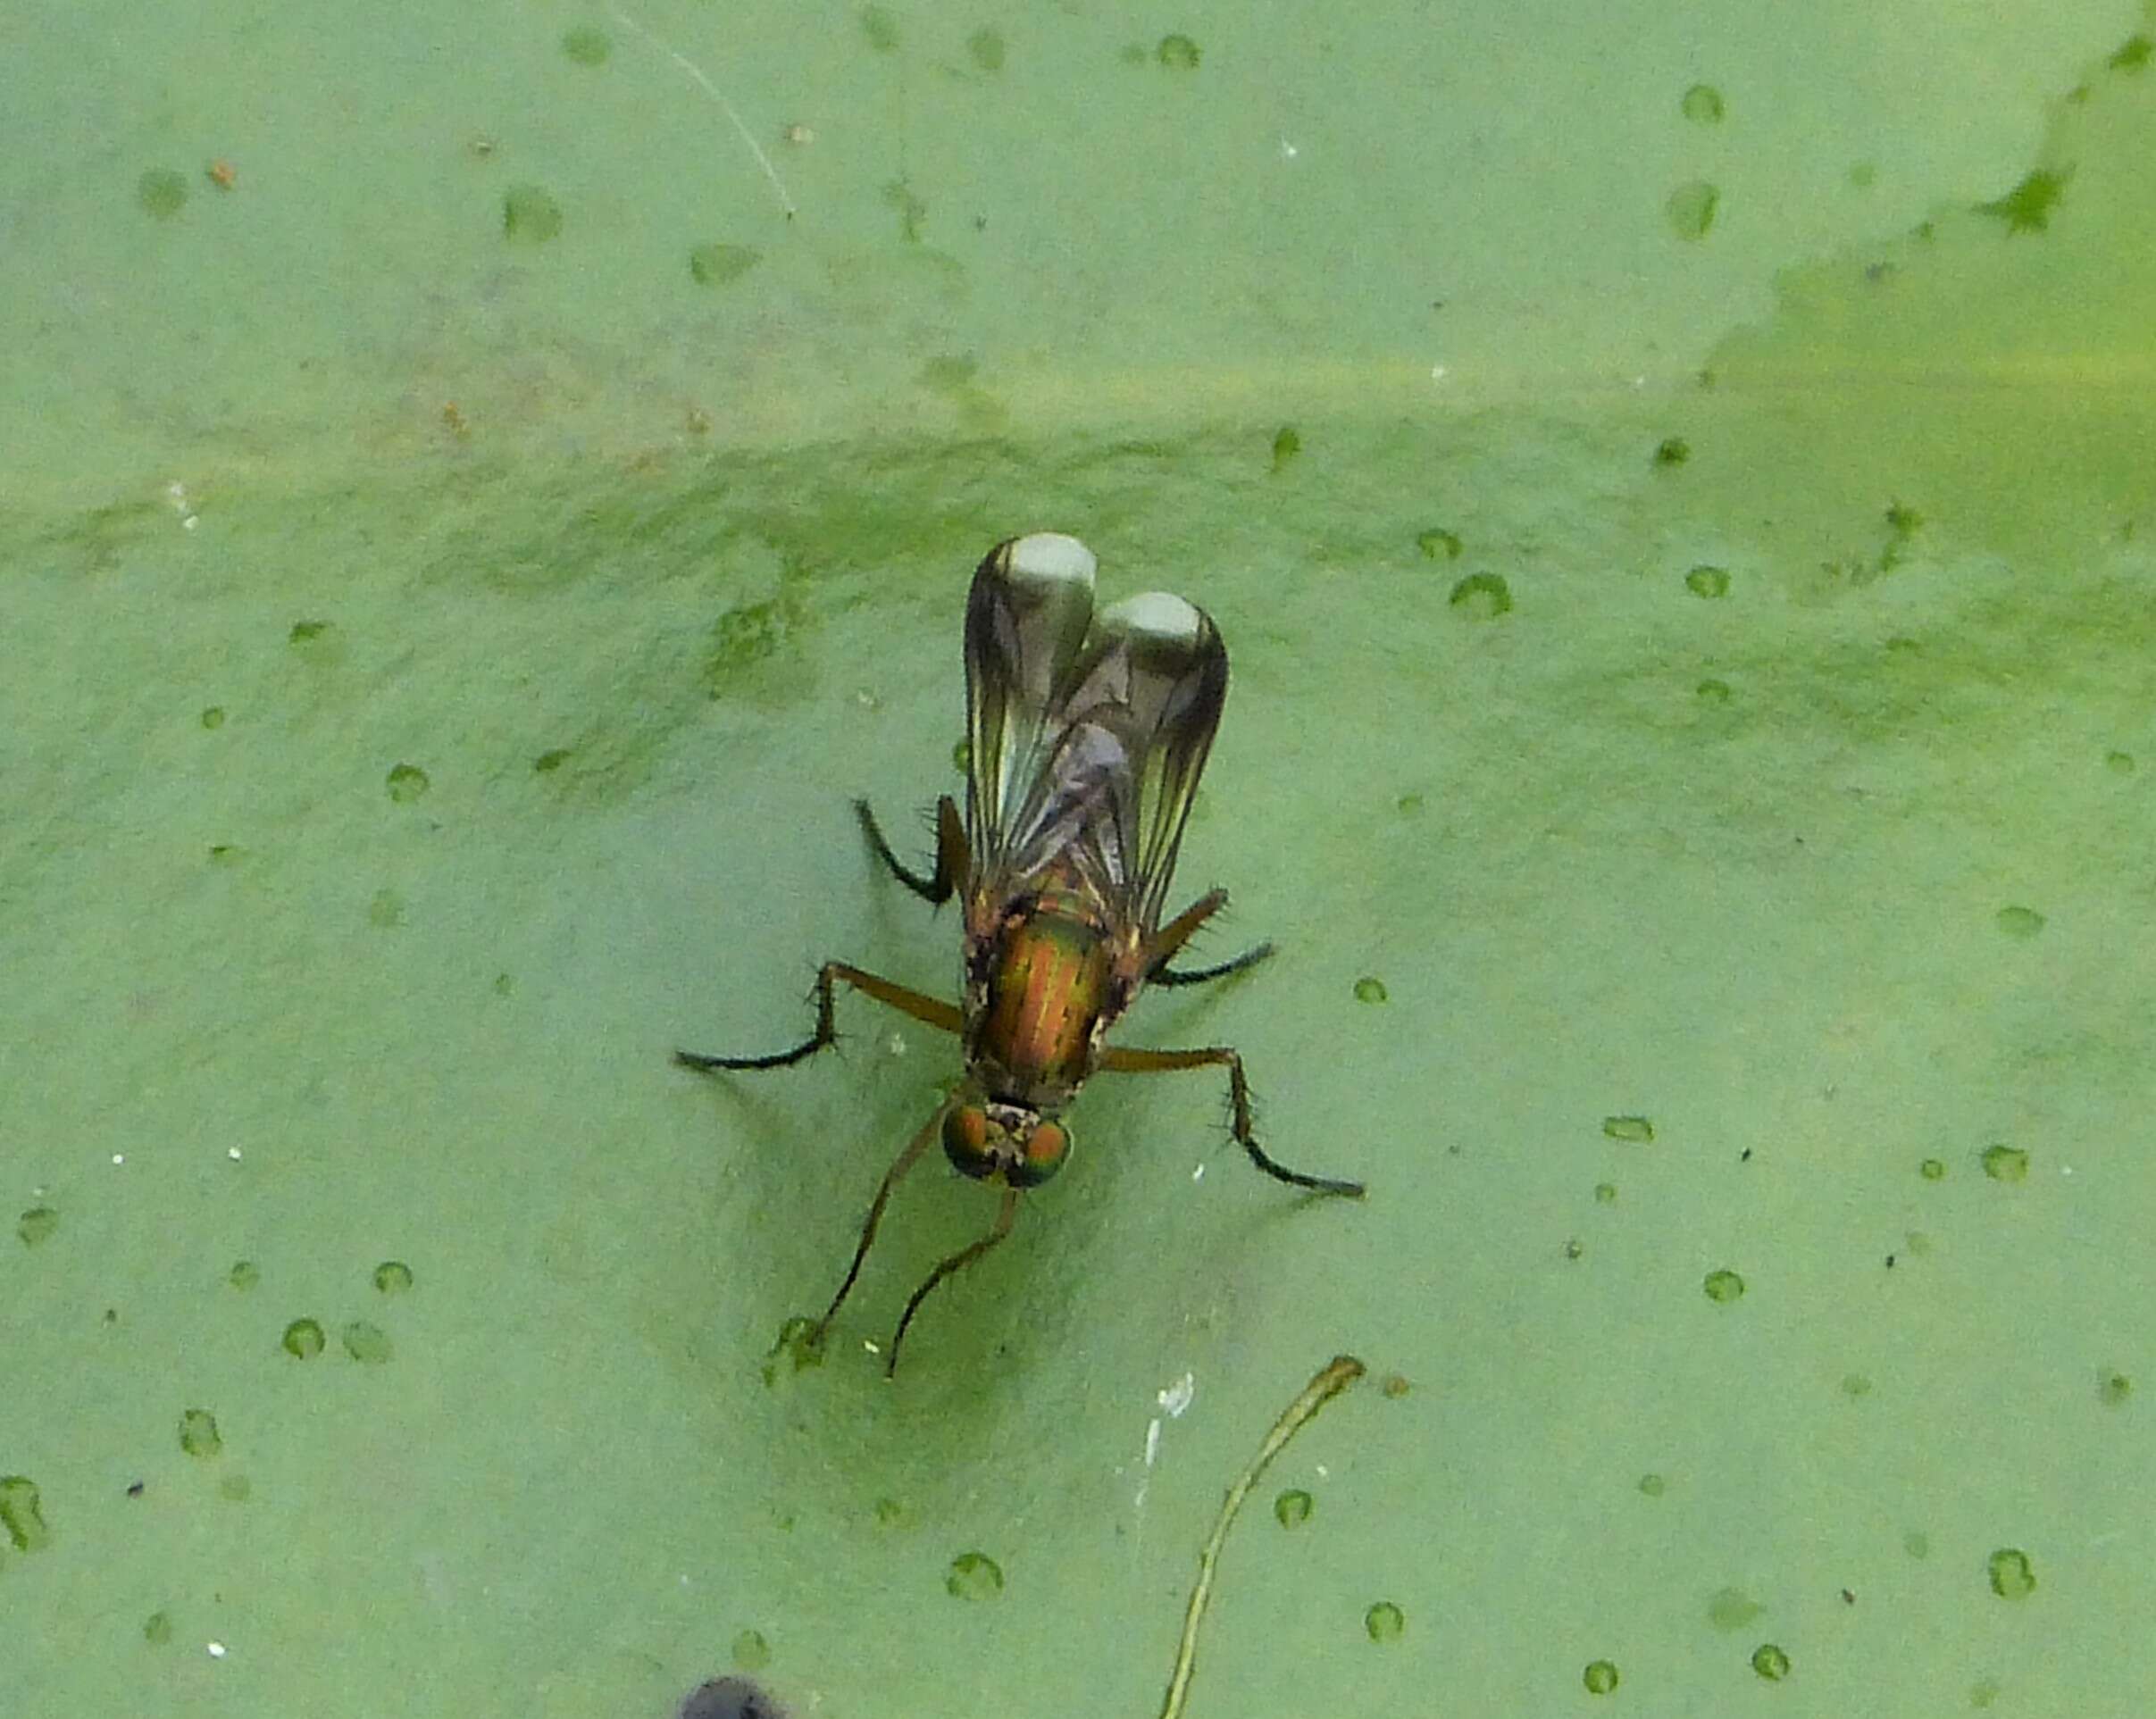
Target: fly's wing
[
  {"x": 1153, "y": 682},
  {"x": 1026, "y": 619},
  {"x": 1126, "y": 737}
]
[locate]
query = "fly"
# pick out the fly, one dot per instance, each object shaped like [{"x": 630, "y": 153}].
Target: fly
[{"x": 1086, "y": 735}]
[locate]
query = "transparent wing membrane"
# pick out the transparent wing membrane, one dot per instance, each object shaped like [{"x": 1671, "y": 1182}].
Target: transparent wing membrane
[{"x": 1088, "y": 732}]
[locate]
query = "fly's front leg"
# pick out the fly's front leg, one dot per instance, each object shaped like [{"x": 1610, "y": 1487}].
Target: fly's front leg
[
  {"x": 1249, "y": 957},
  {"x": 907, "y": 1001},
  {"x": 951, "y": 852},
  {"x": 1118, "y": 1061}
]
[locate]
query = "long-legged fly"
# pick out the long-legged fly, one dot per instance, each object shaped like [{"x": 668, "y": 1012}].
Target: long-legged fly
[{"x": 1086, "y": 735}]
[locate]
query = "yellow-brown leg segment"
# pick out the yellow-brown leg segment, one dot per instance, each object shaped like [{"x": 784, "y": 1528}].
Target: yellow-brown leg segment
[
  {"x": 901, "y": 1164},
  {"x": 952, "y": 855},
  {"x": 933, "y": 1011},
  {"x": 957, "y": 1262},
  {"x": 1115, "y": 1060}
]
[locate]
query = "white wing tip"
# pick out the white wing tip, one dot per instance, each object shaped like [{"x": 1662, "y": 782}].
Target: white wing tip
[
  {"x": 1052, "y": 558},
  {"x": 1160, "y": 614}
]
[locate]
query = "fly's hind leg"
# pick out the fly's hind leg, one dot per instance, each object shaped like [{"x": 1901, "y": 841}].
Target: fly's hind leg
[
  {"x": 1118, "y": 1061},
  {"x": 951, "y": 852},
  {"x": 1171, "y": 938},
  {"x": 935, "y": 1012}
]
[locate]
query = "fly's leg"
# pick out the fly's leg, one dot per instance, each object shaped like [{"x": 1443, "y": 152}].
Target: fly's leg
[
  {"x": 1119, "y": 1060},
  {"x": 904, "y": 1162},
  {"x": 1249, "y": 957},
  {"x": 951, "y": 853},
  {"x": 907, "y": 1001},
  {"x": 957, "y": 1262},
  {"x": 1171, "y": 938}
]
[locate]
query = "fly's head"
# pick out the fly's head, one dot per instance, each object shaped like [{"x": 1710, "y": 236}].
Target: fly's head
[{"x": 990, "y": 1140}]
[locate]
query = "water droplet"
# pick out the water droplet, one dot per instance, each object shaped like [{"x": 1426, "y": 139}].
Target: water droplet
[
  {"x": 1690, "y": 209},
  {"x": 406, "y": 783},
  {"x": 1437, "y": 544},
  {"x": 1599, "y": 1678},
  {"x": 1287, "y": 442},
  {"x": 198, "y": 1434},
  {"x": 366, "y": 1343},
  {"x": 1653, "y": 1485},
  {"x": 393, "y": 1277},
  {"x": 1370, "y": 990},
  {"x": 1628, "y": 1128},
  {"x": 2019, "y": 921},
  {"x": 2004, "y": 1162},
  {"x": 23, "y": 1515},
  {"x": 2011, "y": 1574},
  {"x": 751, "y": 1650},
  {"x": 1702, "y": 104},
  {"x": 1672, "y": 450},
  {"x": 1932, "y": 1170},
  {"x": 1770, "y": 1662},
  {"x": 157, "y": 1629},
  {"x": 529, "y": 215},
  {"x": 1292, "y": 1508},
  {"x": 243, "y": 1276},
  {"x": 213, "y": 717},
  {"x": 304, "y": 1338},
  {"x": 2113, "y": 1388},
  {"x": 1708, "y": 582},
  {"x": 587, "y": 45},
  {"x": 1384, "y": 1620},
  {"x": 162, "y": 192},
  {"x": 1605, "y": 1193},
  {"x": 1484, "y": 595},
  {"x": 1723, "y": 1286},
  {"x": 974, "y": 1575},
  {"x": 1178, "y": 53},
  {"x": 36, "y": 1225}
]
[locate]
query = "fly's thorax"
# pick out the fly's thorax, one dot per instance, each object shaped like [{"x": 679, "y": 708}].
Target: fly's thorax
[
  {"x": 1015, "y": 1144},
  {"x": 1039, "y": 994}
]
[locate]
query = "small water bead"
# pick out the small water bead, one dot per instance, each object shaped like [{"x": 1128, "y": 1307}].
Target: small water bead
[
  {"x": 751, "y": 1650},
  {"x": 1932, "y": 1170},
  {"x": 243, "y": 1276},
  {"x": 529, "y": 215},
  {"x": 162, "y": 192},
  {"x": 1484, "y": 595},
  {"x": 198, "y": 1434},
  {"x": 303, "y": 1338},
  {"x": 1723, "y": 1286},
  {"x": 2019, "y": 921},
  {"x": 1370, "y": 990},
  {"x": 2004, "y": 1162},
  {"x": 1599, "y": 1678},
  {"x": 1384, "y": 1622},
  {"x": 1652, "y": 1486},
  {"x": 1770, "y": 1662},
  {"x": 974, "y": 1575},
  {"x": 1702, "y": 104},
  {"x": 1178, "y": 53},
  {"x": 1672, "y": 450},
  {"x": 1708, "y": 582},
  {"x": 1287, "y": 442},
  {"x": 36, "y": 1225},
  {"x": 1712, "y": 691},
  {"x": 1292, "y": 1508},
  {"x": 2012, "y": 1576},
  {"x": 1605, "y": 1193},
  {"x": 587, "y": 45},
  {"x": 406, "y": 783},
  {"x": 23, "y": 1515},
  {"x": 157, "y": 1629},
  {"x": 366, "y": 1343},
  {"x": 1636, "y": 1129},
  {"x": 2113, "y": 1388},
  {"x": 1690, "y": 209},
  {"x": 1438, "y": 543},
  {"x": 213, "y": 717},
  {"x": 393, "y": 1277}
]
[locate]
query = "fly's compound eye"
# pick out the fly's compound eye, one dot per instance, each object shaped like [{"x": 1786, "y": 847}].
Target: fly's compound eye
[
  {"x": 1046, "y": 1149},
  {"x": 967, "y": 1141}
]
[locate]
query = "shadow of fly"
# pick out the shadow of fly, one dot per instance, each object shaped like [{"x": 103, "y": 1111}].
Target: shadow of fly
[{"x": 1086, "y": 736}]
